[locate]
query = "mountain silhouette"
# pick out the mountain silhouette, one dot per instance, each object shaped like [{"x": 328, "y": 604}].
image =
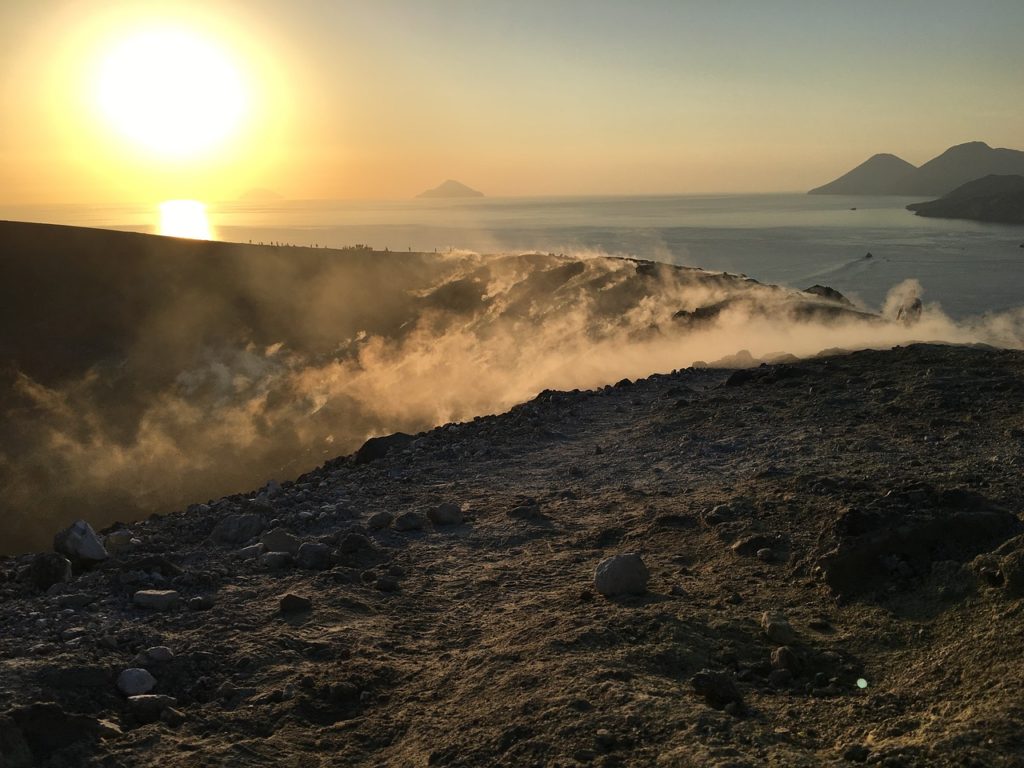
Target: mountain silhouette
[
  {"x": 451, "y": 188},
  {"x": 882, "y": 174},
  {"x": 875, "y": 176},
  {"x": 992, "y": 198}
]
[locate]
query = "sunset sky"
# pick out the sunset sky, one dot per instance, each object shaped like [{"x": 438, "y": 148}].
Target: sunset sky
[{"x": 384, "y": 98}]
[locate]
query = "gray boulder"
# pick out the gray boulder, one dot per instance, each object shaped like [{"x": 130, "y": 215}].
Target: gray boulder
[
  {"x": 623, "y": 574},
  {"x": 135, "y": 681},
  {"x": 79, "y": 543}
]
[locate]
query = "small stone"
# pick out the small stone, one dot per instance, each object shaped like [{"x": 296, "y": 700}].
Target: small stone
[
  {"x": 623, "y": 574},
  {"x": 201, "y": 603},
  {"x": 765, "y": 554},
  {"x": 386, "y": 584},
  {"x": 409, "y": 521},
  {"x": 777, "y": 628},
  {"x": 785, "y": 657},
  {"x": 157, "y": 599},
  {"x": 446, "y": 514},
  {"x": 158, "y": 654},
  {"x": 292, "y": 603},
  {"x": 49, "y": 568},
  {"x": 605, "y": 739},
  {"x": 118, "y": 541},
  {"x": 135, "y": 681},
  {"x": 251, "y": 552},
  {"x": 779, "y": 678},
  {"x": 280, "y": 540},
  {"x": 315, "y": 557},
  {"x": 717, "y": 688},
  {"x": 79, "y": 543},
  {"x": 147, "y": 708},
  {"x": 380, "y": 520},
  {"x": 275, "y": 561}
]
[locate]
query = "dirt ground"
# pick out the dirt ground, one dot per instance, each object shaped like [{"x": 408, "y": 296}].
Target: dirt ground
[{"x": 836, "y": 578}]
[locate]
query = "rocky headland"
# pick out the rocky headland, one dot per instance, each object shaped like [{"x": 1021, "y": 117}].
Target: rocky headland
[{"x": 998, "y": 199}]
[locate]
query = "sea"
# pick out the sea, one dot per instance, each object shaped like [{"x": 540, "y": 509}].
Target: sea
[{"x": 861, "y": 246}]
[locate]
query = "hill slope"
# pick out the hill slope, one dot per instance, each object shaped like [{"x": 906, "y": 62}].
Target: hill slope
[
  {"x": 866, "y": 503},
  {"x": 992, "y": 198}
]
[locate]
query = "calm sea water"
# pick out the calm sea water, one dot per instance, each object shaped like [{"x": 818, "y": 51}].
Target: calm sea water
[{"x": 969, "y": 268}]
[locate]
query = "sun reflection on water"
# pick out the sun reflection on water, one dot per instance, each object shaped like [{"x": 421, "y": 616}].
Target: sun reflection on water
[{"x": 185, "y": 218}]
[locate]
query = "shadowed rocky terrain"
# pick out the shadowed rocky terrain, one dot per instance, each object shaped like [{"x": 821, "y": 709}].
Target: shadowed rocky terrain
[{"x": 826, "y": 569}]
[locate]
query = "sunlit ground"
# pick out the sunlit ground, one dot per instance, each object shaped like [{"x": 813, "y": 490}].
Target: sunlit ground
[{"x": 185, "y": 218}]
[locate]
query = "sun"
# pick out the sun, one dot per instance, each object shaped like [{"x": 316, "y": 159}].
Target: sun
[
  {"x": 172, "y": 92},
  {"x": 185, "y": 218}
]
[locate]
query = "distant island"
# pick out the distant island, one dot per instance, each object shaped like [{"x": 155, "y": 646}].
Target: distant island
[
  {"x": 451, "y": 188},
  {"x": 994, "y": 198},
  {"x": 890, "y": 175}
]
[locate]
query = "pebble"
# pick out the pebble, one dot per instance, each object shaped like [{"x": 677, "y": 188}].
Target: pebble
[
  {"x": 80, "y": 543},
  {"x": 409, "y": 521},
  {"x": 765, "y": 555},
  {"x": 292, "y": 603},
  {"x": 380, "y": 520},
  {"x": 135, "y": 681},
  {"x": 623, "y": 574},
  {"x": 785, "y": 657},
  {"x": 777, "y": 628},
  {"x": 386, "y": 584},
  {"x": 157, "y": 599},
  {"x": 280, "y": 540}
]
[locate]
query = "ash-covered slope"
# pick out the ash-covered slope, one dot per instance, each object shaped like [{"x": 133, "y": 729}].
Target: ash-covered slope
[
  {"x": 836, "y": 571},
  {"x": 138, "y": 373}
]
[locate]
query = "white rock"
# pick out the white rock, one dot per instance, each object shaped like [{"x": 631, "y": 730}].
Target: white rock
[{"x": 135, "y": 681}]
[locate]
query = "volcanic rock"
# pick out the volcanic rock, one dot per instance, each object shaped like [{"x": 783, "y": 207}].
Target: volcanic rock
[
  {"x": 49, "y": 568},
  {"x": 80, "y": 544},
  {"x": 623, "y": 574},
  {"x": 135, "y": 681}
]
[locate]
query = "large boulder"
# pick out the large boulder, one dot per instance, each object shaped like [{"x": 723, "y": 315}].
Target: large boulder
[
  {"x": 80, "y": 544},
  {"x": 623, "y": 574}
]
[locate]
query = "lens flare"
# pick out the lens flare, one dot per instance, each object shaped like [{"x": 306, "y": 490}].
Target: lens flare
[{"x": 185, "y": 218}]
